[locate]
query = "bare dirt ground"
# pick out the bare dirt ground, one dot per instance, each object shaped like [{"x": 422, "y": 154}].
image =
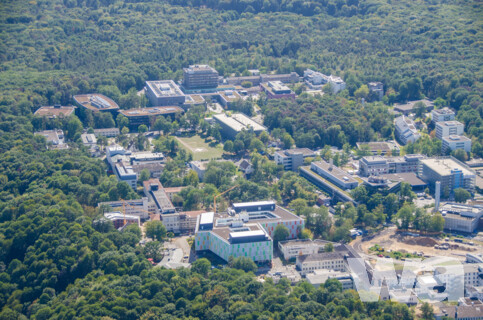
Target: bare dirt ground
[{"x": 407, "y": 244}]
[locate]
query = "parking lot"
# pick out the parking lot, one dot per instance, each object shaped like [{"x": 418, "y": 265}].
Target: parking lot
[{"x": 177, "y": 253}]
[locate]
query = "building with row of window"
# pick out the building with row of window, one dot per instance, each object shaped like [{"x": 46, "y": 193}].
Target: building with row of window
[
  {"x": 450, "y": 172},
  {"x": 277, "y": 90},
  {"x": 164, "y": 93},
  {"x": 107, "y": 132},
  {"x": 334, "y": 174},
  {"x": 246, "y": 231},
  {"x": 444, "y": 114},
  {"x": 335, "y": 260},
  {"x": 455, "y": 142},
  {"x": 291, "y": 249},
  {"x": 448, "y": 128},
  {"x": 405, "y": 130},
  {"x": 461, "y": 217},
  {"x": 377, "y": 165},
  {"x": 291, "y": 159},
  {"x": 200, "y": 76},
  {"x": 316, "y": 80},
  {"x": 127, "y": 165}
]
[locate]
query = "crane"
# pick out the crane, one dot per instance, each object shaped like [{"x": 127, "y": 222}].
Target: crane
[{"x": 214, "y": 199}]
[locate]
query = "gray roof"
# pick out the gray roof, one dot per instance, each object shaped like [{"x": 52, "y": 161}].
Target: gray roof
[
  {"x": 320, "y": 257},
  {"x": 469, "y": 312}
]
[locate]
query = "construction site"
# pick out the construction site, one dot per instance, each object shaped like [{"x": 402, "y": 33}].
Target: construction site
[{"x": 390, "y": 241}]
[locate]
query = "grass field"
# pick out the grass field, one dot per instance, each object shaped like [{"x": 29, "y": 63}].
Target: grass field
[{"x": 200, "y": 149}]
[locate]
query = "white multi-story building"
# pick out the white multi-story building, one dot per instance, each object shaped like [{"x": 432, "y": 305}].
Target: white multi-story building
[
  {"x": 406, "y": 130},
  {"x": 373, "y": 166},
  {"x": 124, "y": 172},
  {"x": 291, "y": 159},
  {"x": 467, "y": 274},
  {"x": 448, "y": 128},
  {"x": 461, "y": 217},
  {"x": 293, "y": 248},
  {"x": 315, "y": 80},
  {"x": 454, "y": 142},
  {"x": 445, "y": 114},
  {"x": 319, "y": 277},
  {"x": 107, "y": 132},
  {"x": 450, "y": 172},
  {"x": 337, "y": 83},
  {"x": 325, "y": 260}
]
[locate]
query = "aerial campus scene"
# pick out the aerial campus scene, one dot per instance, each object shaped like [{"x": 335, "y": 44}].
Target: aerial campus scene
[{"x": 252, "y": 160}]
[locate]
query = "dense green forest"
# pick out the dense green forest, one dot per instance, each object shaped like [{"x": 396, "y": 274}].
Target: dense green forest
[{"x": 51, "y": 49}]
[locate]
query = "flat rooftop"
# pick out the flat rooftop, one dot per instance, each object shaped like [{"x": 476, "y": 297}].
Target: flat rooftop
[
  {"x": 88, "y": 138},
  {"x": 152, "y": 111},
  {"x": 443, "y": 111},
  {"x": 374, "y": 159},
  {"x": 194, "y": 99},
  {"x": 264, "y": 216},
  {"x": 443, "y": 166},
  {"x": 230, "y": 95},
  {"x": 322, "y": 275},
  {"x": 461, "y": 208},
  {"x": 322, "y": 256},
  {"x": 252, "y": 203},
  {"x": 248, "y": 122},
  {"x": 164, "y": 88},
  {"x": 224, "y": 232},
  {"x": 201, "y": 68},
  {"x": 124, "y": 170},
  {"x": 405, "y": 123},
  {"x": 300, "y": 242},
  {"x": 96, "y": 102},
  {"x": 106, "y": 130},
  {"x": 306, "y": 152},
  {"x": 192, "y": 214},
  {"x": 458, "y": 217},
  {"x": 409, "y": 177},
  {"x": 455, "y": 138},
  {"x": 54, "y": 112},
  {"x": 147, "y": 155},
  {"x": 334, "y": 171},
  {"x": 230, "y": 121},
  {"x": 162, "y": 200},
  {"x": 239, "y": 121},
  {"x": 410, "y": 105},
  {"x": 379, "y": 146},
  {"x": 451, "y": 123}
]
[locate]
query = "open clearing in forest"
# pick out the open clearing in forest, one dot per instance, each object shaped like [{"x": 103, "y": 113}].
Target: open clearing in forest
[{"x": 201, "y": 149}]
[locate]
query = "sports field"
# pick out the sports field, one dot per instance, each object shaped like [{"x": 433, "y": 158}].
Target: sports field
[{"x": 200, "y": 149}]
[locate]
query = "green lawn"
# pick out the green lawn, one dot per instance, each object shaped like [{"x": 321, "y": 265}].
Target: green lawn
[{"x": 201, "y": 149}]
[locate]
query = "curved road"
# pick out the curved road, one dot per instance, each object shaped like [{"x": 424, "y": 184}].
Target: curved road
[{"x": 357, "y": 243}]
